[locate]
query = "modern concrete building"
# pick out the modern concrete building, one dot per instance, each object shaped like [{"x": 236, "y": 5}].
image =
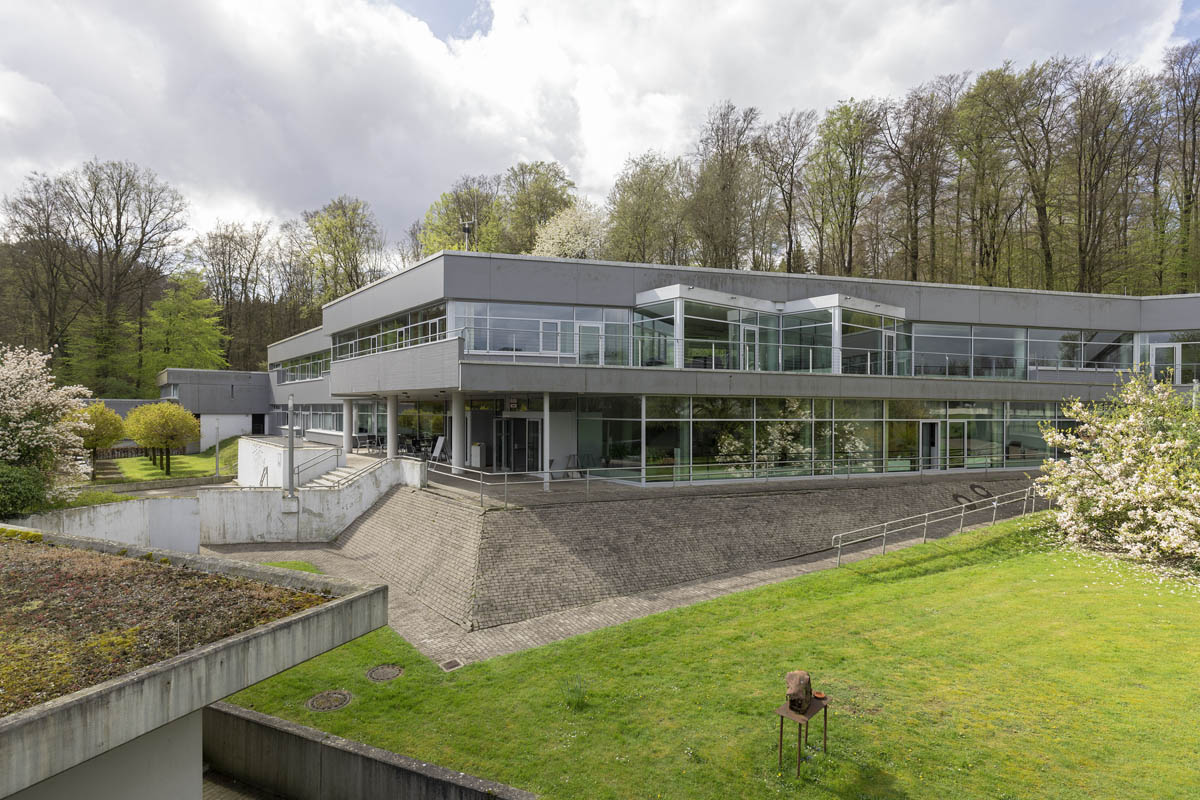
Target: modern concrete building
[
  {"x": 227, "y": 402},
  {"x": 652, "y": 373}
]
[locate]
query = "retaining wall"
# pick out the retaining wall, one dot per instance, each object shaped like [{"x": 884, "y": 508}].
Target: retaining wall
[
  {"x": 302, "y": 763},
  {"x": 220, "y": 515}
]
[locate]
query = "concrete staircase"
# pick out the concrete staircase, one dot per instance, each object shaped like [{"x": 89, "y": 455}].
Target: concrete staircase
[{"x": 332, "y": 477}]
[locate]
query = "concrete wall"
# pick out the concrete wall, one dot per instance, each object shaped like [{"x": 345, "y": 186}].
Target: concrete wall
[
  {"x": 301, "y": 763},
  {"x": 220, "y": 515},
  {"x": 155, "y": 523},
  {"x": 427, "y": 366},
  {"x": 226, "y": 425},
  {"x": 255, "y": 455},
  {"x": 45, "y": 740},
  {"x": 317, "y": 514},
  {"x": 166, "y": 762}
]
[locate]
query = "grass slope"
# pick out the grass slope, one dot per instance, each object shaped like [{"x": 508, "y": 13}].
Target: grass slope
[
  {"x": 193, "y": 466},
  {"x": 302, "y": 566},
  {"x": 989, "y": 665}
]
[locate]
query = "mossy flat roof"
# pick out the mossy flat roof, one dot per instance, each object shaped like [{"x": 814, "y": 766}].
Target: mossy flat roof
[{"x": 72, "y": 618}]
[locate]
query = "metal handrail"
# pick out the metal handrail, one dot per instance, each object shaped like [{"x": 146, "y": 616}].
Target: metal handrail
[{"x": 1027, "y": 497}]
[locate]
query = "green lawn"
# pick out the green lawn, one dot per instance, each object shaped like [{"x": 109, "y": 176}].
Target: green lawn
[
  {"x": 302, "y": 566},
  {"x": 194, "y": 466},
  {"x": 86, "y": 497},
  {"x": 989, "y": 665}
]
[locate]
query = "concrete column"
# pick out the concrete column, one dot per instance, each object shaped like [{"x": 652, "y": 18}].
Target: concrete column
[
  {"x": 347, "y": 426},
  {"x": 546, "y": 440},
  {"x": 392, "y": 441},
  {"x": 458, "y": 431}
]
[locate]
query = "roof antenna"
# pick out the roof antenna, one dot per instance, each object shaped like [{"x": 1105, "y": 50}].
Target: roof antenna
[{"x": 468, "y": 225}]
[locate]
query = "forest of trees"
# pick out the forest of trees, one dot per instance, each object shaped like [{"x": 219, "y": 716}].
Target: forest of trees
[{"x": 1066, "y": 174}]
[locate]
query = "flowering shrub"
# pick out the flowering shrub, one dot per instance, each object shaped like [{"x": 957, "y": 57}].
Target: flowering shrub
[
  {"x": 1132, "y": 479},
  {"x": 38, "y": 422}
]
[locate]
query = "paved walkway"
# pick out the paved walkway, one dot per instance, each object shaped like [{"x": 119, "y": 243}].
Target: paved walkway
[
  {"x": 442, "y": 641},
  {"x": 218, "y": 787}
]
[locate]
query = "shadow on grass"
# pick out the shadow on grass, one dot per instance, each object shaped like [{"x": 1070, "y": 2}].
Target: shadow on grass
[{"x": 951, "y": 554}]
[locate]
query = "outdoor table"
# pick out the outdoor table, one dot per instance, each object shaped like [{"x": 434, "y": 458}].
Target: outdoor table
[{"x": 820, "y": 704}]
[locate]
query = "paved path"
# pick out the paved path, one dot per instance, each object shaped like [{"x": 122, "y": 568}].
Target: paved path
[
  {"x": 441, "y": 640},
  {"x": 218, "y": 787}
]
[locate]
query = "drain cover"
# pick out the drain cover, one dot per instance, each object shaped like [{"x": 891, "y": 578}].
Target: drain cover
[
  {"x": 452, "y": 664},
  {"x": 384, "y": 673},
  {"x": 328, "y": 701}
]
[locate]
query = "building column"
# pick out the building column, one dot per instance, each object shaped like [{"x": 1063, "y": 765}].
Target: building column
[
  {"x": 546, "y": 440},
  {"x": 392, "y": 440},
  {"x": 347, "y": 426},
  {"x": 458, "y": 431}
]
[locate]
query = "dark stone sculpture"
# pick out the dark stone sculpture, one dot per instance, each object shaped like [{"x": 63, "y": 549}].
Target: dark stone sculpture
[{"x": 799, "y": 691}]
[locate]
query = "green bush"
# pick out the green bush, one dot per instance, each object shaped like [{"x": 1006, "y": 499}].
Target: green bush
[{"x": 21, "y": 488}]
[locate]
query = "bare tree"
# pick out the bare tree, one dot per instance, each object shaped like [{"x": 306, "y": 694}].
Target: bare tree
[
  {"x": 1181, "y": 79},
  {"x": 720, "y": 183},
  {"x": 781, "y": 148}
]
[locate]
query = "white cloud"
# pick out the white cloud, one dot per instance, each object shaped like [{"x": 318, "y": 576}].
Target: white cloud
[{"x": 279, "y": 105}]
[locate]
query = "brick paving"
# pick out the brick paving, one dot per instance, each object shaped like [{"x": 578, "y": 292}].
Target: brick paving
[{"x": 469, "y": 585}]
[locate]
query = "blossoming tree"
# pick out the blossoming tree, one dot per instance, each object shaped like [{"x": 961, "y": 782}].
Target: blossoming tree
[
  {"x": 1132, "y": 478},
  {"x": 39, "y": 437}
]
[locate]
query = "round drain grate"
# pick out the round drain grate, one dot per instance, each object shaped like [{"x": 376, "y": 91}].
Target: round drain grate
[
  {"x": 328, "y": 701},
  {"x": 384, "y": 673}
]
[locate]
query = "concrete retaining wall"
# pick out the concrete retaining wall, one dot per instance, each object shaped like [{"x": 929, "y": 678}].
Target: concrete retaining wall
[
  {"x": 220, "y": 515},
  {"x": 165, "y": 483},
  {"x": 302, "y": 763},
  {"x": 256, "y": 455}
]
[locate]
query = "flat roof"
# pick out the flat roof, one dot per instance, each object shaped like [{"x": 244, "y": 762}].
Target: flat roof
[{"x": 72, "y": 618}]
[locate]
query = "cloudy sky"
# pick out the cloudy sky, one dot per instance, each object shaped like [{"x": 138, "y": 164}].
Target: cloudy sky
[{"x": 264, "y": 108}]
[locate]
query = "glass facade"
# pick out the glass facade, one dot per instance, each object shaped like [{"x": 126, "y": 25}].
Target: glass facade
[
  {"x": 408, "y": 329},
  {"x": 324, "y": 417},
  {"x": 302, "y": 368}
]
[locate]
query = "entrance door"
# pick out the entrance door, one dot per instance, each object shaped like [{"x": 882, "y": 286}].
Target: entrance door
[
  {"x": 1165, "y": 361},
  {"x": 591, "y": 344},
  {"x": 517, "y": 444},
  {"x": 749, "y": 347},
  {"x": 931, "y": 446}
]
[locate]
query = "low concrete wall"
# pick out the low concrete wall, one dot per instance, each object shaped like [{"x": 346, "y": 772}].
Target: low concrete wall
[
  {"x": 156, "y": 523},
  {"x": 165, "y": 483},
  {"x": 220, "y": 515},
  {"x": 302, "y": 763},
  {"x": 256, "y": 455},
  {"x": 47, "y": 739}
]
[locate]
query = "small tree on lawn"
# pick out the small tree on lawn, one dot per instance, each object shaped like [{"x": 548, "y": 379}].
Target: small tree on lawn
[
  {"x": 1131, "y": 481},
  {"x": 162, "y": 426},
  {"x": 101, "y": 428},
  {"x": 37, "y": 419}
]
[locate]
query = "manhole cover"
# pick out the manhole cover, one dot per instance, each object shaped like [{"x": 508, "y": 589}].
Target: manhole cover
[
  {"x": 328, "y": 701},
  {"x": 450, "y": 665},
  {"x": 384, "y": 673}
]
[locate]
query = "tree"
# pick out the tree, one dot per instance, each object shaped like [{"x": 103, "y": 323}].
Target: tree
[
  {"x": 646, "y": 209},
  {"x": 1132, "y": 479},
  {"x": 100, "y": 428},
  {"x": 722, "y": 185},
  {"x": 183, "y": 329},
  {"x": 345, "y": 247},
  {"x": 473, "y": 199},
  {"x": 781, "y": 148},
  {"x": 37, "y": 418},
  {"x": 1181, "y": 82},
  {"x": 122, "y": 235},
  {"x": 532, "y": 194},
  {"x": 162, "y": 426},
  {"x": 36, "y": 223},
  {"x": 842, "y": 173},
  {"x": 232, "y": 258},
  {"x": 578, "y": 231}
]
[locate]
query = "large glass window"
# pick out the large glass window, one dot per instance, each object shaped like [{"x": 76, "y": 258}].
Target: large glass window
[
  {"x": 302, "y": 368},
  {"x": 807, "y": 341},
  {"x": 941, "y": 349}
]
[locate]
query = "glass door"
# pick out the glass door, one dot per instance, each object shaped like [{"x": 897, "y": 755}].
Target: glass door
[
  {"x": 502, "y": 445},
  {"x": 749, "y": 347},
  {"x": 1165, "y": 362},
  {"x": 533, "y": 445},
  {"x": 931, "y": 446},
  {"x": 591, "y": 344}
]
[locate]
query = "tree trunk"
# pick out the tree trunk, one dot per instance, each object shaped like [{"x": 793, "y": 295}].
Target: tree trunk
[{"x": 167, "y": 456}]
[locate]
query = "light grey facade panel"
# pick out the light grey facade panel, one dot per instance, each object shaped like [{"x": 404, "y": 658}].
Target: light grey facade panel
[
  {"x": 1170, "y": 313},
  {"x": 429, "y": 366},
  {"x": 304, "y": 392},
  {"x": 417, "y": 286},
  {"x": 219, "y": 391},
  {"x": 301, "y": 344}
]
